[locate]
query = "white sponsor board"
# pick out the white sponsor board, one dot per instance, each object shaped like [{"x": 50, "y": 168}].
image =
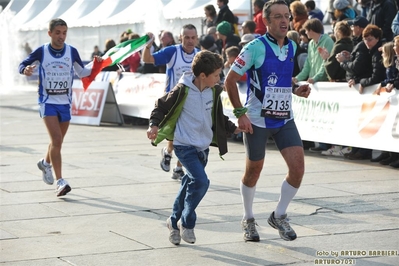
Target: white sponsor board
[
  {"x": 96, "y": 105},
  {"x": 333, "y": 113},
  {"x": 136, "y": 93}
]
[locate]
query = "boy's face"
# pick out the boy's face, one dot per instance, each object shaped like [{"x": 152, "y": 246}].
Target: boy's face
[
  {"x": 212, "y": 79},
  {"x": 58, "y": 36}
]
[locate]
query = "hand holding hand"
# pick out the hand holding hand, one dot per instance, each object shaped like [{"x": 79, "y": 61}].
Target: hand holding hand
[
  {"x": 152, "y": 133},
  {"x": 244, "y": 124}
]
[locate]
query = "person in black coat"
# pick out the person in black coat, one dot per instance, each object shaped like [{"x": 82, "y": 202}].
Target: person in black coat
[
  {"x": 382, "y": 13},
  {"x": 225, "y": 13}
]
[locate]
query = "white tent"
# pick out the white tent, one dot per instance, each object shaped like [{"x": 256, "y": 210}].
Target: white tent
[
  {"x": 178, "y": 9},
  {"x": 80, "y": 9},
  {"x": 15, "y": 6},
  {"x": 30, "y": 11},
  {"x": 104, "y": 10},
  {"x": 91, "y": 22},
  {"x": 53, "y": 10}
]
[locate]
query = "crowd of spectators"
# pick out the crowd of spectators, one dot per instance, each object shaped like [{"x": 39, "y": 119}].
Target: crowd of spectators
[{"x": 351, "y": 50}]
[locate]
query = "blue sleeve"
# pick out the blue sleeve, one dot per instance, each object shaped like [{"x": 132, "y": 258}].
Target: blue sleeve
[
  {"x": 76, "y": 56},
  {"x": 36, "y": 55},
  {"x": 163, "y": 56}
]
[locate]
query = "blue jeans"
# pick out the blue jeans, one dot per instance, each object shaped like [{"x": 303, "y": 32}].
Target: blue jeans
[{"x": 194, "y": 185}]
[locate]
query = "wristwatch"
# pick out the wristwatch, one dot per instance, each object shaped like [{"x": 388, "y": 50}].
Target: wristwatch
[{"x": 152, "y": 124}]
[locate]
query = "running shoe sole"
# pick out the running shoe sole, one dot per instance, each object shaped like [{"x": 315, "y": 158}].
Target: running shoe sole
[{"x": 64, "y": 191}]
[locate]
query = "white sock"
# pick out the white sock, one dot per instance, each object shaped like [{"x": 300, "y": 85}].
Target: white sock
[
  {"x": 165, "y": 151},
  {"x": 247, "y": 195},
  {"x": 287, "y": 194},
  {"x": 178, "y": 168},
  {"x": 45, "y": 163}
]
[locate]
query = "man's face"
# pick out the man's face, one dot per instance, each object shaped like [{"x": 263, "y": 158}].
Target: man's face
[
  {"x": 356, "y": 31},
  {"x": 244, "y": 28},
  {"x": 277, "y": 23},
  {"x": 189, "y": 40},
  {"x": 165, "y": 39},
  {"x": 58, "y": 36},
  {"x": 219, "y": 3}
]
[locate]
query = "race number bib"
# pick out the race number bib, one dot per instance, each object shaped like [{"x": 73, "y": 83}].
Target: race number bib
[
  {"x": 277, "y": 102},
  {"x": 57, "y": 83}
]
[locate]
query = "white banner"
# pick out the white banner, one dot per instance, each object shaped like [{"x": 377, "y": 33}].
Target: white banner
[
  {"x": 333, "y": 113},
  {"x": 337, "y": 114},
  {"x": 96, "y": 105},
  {"x": 136, "y": 93}
]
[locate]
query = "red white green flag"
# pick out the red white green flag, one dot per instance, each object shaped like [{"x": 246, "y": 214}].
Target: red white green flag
[{"x": 115, "y": 55}]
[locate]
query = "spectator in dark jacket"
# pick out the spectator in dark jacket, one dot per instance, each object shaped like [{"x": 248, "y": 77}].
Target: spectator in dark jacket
[
  {"x": 372, "y": 38},
  {"x": 343, "y": 42},
  {"x": 395, "y": 25},
  {"x": 225, "y": 13},
  {"x": 357, "y": 25},
  {"x": 382, "y": 13},
  {"x": 225, "y": 34},
  {"x": 313, "y": 11}
]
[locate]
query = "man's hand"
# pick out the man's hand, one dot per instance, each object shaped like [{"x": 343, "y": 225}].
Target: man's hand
[
  {"x": 28, "y": 71},
  {"x": 303, "y": 91},
  {"x": 244, "y": 124}
]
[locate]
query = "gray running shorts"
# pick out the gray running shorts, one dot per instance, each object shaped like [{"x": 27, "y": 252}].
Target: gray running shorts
[{"x": 285, "y": 136}]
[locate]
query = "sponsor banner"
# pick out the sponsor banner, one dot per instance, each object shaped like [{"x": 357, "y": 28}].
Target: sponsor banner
[
  {"x": 337, "y": 114},
  {"x": 136, "y": 93},
  {"x": 87, "y": 107},
  {"x": 333, "y": 113}
]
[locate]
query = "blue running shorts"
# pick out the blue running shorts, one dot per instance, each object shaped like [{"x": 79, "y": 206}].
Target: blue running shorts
[{"x": 62, "y": 111}]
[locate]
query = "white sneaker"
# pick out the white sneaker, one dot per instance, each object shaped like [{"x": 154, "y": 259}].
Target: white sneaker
[
  {"x": 47, "y": 175},
  {"x": 186, "y": 234},
  {"x": 330, "y": 151},
  {"x": 342, "y": 152},
  {"x": 62, "y": 187},
  {"x": 174, "y": 234}
]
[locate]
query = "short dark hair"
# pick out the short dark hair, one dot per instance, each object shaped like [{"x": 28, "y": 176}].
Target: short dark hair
[
  {"x": 259, "y": 3},
  {"x": 224, "y": 1},
  {"x": 206, "y": 62},
  {"x": 211, "y": 9},
  {"x": 310, "y": 4},
  {"x": 266, "y": 8},
  {"x": 251, "y": 25},
  {"x": 232, "y": 51},
  {"x": 188, "y": 27},
  {"x": 56, "y": 22},
  {"x": 314, "y": 24}
]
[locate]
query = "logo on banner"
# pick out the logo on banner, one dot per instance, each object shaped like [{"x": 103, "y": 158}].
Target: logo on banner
[
  {"x": 87, "y": 103},
  {"x": 373, "y": 115}
]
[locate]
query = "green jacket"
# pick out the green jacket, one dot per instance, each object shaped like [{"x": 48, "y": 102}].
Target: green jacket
[
  {"x": 314, "y": 64},
  {"x": 168, "y": 108}
]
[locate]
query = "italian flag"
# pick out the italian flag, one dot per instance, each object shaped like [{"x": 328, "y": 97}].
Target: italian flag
[{"x": 115, "y": 55}]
